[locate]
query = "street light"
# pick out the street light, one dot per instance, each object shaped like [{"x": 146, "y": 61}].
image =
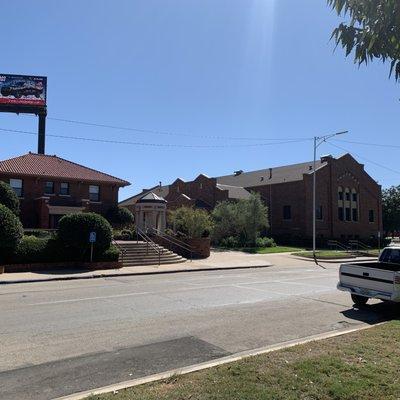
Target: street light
[{"x": 318, "y": 140}]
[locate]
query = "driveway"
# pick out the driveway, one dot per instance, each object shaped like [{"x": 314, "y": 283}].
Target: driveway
[{"x": 62, "y": 337}]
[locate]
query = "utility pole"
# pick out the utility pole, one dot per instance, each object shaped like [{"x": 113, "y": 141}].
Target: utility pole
[{"x": 318, "y": 140}]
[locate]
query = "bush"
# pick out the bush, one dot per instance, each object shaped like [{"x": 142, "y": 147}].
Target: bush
[
  {"x": 39, "y": 233},
  {"x": 265, "y": 242},
  {"x": 44, "y": 250},
  {"x": 11, "y": 231},
  {"x": 74, "y": 231},
  {"x": 120, "y": 217},
  {"x": 111, "y": 254},
  {"x": 229, "y": 242},
  {"x": 8, "y": 197},
  {"x": 193, "y": 222},
  {"x": 125, "y": 234}
]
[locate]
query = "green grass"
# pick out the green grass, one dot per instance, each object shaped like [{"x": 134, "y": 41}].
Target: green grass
[
  {"x": 357, "y": 366},
  {"x": 270, "y": 250},
  {"x": 325, "y": 254}
]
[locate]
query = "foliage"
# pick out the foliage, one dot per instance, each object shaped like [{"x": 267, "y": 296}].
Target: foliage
[
  {"x": 193, "y": 222},
  {"x": 32, "y": 249},
  {"x": 74, "y": 231},
  {"x": 120, "y": 217},
  {"x": 265, "y": 242},
  {"x": 391, "y": 209},
  {"x": 230, "y": 242},
  {"x": 124, "y": 234},
  {"x": 11, "y": 230},
  {"x": 39, "y": 233},
  {"x": 9, "y": 198},
  {"x": 244, "y": 220},
  {"x": 373, "y": 31}
]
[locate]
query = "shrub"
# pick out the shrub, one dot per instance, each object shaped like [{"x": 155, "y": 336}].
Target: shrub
[
  {"x": 74, "y": 231},
  {"x": 229, "y": 242},
  {"x": 120, "y": 217},
  {"x": 11, "y": 230},
  {"x": 192, "y": 222},
  {"x": 39, "y": 233},
  {"x": 125, "y": 234},
  {"x": 41, "y": 250},
  {"x": 111, "y": 254},
  {"x": 8, "y": 197},
  {"x": 265, "y": 242}
]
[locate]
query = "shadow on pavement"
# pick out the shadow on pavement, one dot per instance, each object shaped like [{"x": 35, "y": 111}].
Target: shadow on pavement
[
  {"x": 374, "y": 313},
  {"x": 70, "y": 271}
]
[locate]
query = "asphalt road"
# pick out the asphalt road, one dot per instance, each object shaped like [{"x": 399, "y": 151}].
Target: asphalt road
[{"x": 58, "y": 338}]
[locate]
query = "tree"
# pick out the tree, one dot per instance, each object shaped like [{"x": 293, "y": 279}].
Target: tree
[
  {"x": 373, "y": 31},
  {"x": 243, "y": 220},
  {"x": 193, "y": 222},
  {"x": 9, "y": 198},
  {"x": 391, "y": 209},
  {"x": 120, "y": 217}
]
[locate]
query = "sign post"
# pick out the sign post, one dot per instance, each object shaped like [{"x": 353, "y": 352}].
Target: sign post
[{"x": 92, "y": 240}]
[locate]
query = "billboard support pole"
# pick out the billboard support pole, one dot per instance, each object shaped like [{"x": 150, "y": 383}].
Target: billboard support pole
[{"x": 41, "y": 132}]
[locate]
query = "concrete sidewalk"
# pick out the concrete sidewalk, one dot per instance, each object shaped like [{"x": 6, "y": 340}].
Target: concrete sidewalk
[{"x": 218, "y": 260}]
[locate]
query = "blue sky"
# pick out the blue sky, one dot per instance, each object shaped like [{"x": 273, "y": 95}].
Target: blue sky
[{"x": 227, "y": 68}]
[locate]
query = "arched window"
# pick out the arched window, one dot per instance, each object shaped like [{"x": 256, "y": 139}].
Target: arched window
[{"x": 340, "y": 193}]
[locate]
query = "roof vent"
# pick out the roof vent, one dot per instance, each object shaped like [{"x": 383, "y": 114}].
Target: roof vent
[
  {"x": 239, "y": 172},
  {"x": 310, "y": 167},
  {"x": 262, "y": 178}
]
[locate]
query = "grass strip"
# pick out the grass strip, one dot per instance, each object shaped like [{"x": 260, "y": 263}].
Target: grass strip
[{"x": 361, "y": 365}]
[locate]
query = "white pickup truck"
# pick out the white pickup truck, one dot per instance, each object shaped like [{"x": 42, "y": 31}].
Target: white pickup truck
[{"x": 378, "y": 280}]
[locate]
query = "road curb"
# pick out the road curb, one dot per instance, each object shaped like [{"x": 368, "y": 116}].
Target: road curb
[
  {"x": 114, "y": 275},
  {"x": 336, "y": 261},
  {"x": 213, "y": 363}
]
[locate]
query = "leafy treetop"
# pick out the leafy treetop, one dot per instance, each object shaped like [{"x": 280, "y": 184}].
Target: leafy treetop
[{"x": 373, "y": 30}]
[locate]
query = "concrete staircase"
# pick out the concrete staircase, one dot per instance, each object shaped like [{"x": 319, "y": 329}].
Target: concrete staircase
[{"x": 141, "y": 253}]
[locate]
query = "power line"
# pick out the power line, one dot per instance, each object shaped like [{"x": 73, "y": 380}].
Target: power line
[
  {"x": 151, "y": 144},
  {"x": 165, "y": 133},
  {"x": 368, "y": 144},
  {"x": 366, "y": 159}
]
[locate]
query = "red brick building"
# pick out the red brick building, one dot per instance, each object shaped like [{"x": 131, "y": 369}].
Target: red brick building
[
  {"x": 348, "y": 199},
  {"x": 49, "y": 187}
]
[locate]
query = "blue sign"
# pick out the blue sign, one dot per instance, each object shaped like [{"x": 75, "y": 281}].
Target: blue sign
[{"x": 92, "y": 237}]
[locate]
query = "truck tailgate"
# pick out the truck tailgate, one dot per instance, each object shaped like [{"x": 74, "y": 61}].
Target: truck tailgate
[{"x": 369, "y": 278}]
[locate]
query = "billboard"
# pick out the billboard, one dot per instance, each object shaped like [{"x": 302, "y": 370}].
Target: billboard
[{"x": 23, "y": 90}]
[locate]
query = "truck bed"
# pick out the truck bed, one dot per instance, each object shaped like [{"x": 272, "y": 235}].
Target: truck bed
[{"x": 377, "y": 265}]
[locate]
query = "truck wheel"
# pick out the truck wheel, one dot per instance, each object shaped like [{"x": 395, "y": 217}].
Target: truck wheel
[{"x": 359, "y": 300}]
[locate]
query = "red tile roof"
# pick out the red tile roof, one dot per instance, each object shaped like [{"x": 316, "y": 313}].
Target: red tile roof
[{"x": 40, "y": 165}]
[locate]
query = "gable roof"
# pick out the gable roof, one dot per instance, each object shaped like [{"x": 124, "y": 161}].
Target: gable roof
[
  {"x": 270, "y": 176},
  {"x": 41, "y": 165}
]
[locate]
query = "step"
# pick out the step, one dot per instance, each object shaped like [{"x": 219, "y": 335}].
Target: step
[{"x": 146, "y": 263}]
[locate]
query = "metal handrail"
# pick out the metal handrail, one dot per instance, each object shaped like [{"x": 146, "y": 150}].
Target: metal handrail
[
  {"x": 120, "y": 248},
  {"x": 175, "y": 241},
  {"x": 359, "y": 245},
  {"x": 146, "y": 238},
  {"x": 335, "y": 243}
]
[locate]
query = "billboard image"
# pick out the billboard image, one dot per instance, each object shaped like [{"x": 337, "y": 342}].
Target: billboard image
[{"x": 23, "y": 90}]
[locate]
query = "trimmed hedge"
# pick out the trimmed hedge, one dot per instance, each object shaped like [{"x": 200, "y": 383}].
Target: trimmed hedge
[
  {"x": 74, "y": 231},
  {"x": 9, "y": 198},
  {"x": 32, "y": 249},
  {"x": 11, "y": 231},
  {"x": 120, "y": 217}
]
